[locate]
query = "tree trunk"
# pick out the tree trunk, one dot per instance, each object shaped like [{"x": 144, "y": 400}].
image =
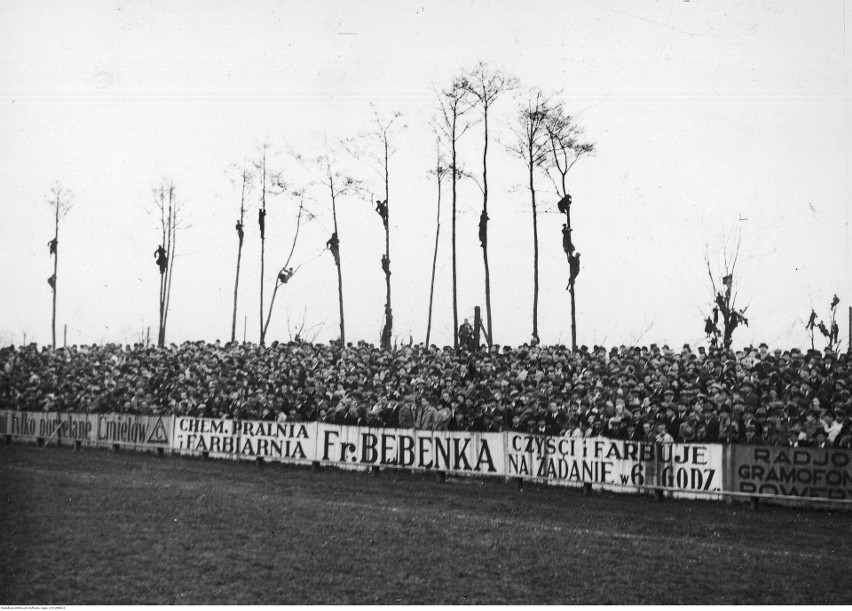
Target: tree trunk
[
  {"x": 236, "y": 288},
  {"x": 571, "y": 288},
  {"x": 573, "y": 323},
  {"x": 262, "y": 245},
  {"x": 455, "y": 284},
  {"x": 387, "y": 332},
  {"x": 535, "y": 255},
  {"x": 55, "y": 270},
  {"x": 337, "y": 262},
  {"x": 239, "y": 258},
  {"x": 434, "y": 262},
  {"x": 485, "y": 243}
]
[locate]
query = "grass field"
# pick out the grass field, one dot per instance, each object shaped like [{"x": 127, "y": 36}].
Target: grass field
[{"x": 94, "y": 527}]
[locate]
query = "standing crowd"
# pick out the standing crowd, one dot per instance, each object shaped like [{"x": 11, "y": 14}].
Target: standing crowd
[{"x": 751, "y": 396}]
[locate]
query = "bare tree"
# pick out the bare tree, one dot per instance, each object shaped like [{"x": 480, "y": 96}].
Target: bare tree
[
  {"x": 271, "y": 183},
  {"x": 338, "y": 186},
  {"x": 532, "y": 145},
  {"x": 452, "y": 104},
  {"x": 486, "y": 85},
  {"x": 566, "y": 150},
  {"x": 376, "y": 155},
  {"x": 246, "y": 179},
  {"x": 725, "y": 298},
  {"x": 60, "y": 201},
  {"x": 169, "y": 210},
  {"x": 440, "y": 172},
  {"x": 286, "y": 272}
]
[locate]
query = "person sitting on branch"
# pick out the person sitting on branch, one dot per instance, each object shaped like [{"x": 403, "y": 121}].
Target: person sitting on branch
[
  {"x": 386, "y": 265},
  {"x": 239, "y": 229},
  {"x": 52, "y": 281},
  {"x": 52, "y": 244},
  {"x": 162, "y": 258}
]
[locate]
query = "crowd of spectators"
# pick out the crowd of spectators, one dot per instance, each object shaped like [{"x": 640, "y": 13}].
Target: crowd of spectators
[{"x": 752, "y": 396}]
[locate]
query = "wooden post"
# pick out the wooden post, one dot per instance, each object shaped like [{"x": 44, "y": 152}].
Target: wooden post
[
  {"x": 65, "y": 336},
  {"x": 245, "y": 322},
  {"x": 148, "y": 337}
]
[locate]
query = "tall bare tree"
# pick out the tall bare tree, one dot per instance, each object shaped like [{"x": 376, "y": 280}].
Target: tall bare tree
[
  {"x": 169, "y": 209},
  {"x": 486, "y": 85},
  {"x": 271, "y": 183},
  {"x": 338, "y": 186},
  {"x": 376, "y": 152},
  {"x": 440, "y": 173},
  {"x": 566, "y": 150},
  {"x": 286, "y": 272},
  {"x": 532, "y": 145},
  {"x": 725, "y": 297},
  {"x": 60, "y": 201},
  {"x": 246, "y": 179},
  {"x": 452, "y": 105}
]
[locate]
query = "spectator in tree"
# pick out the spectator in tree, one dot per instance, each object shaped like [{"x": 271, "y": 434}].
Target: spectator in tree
[
  {"x": 386, "y": 265},
  {"x": 382, "y": 209},
  {"x": 567, "y": 245},
  {"x": 239, "y": 228},
  {"x": 52, "y": 244},
  {"x": 333, "y": 244},
  {"x": 52, "y": 281},
  {"x": 261, "y": 222},
  {"x": 483, "y": 229},
  {"x": 564, "y": 204},
  {"x": 285, "y": 275},
  {"x": 574, "y": 265},
  {"x": 162, "y": 259}
]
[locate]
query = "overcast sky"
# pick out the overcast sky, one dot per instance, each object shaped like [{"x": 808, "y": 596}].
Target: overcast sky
[{"x": 709, "y": 119}]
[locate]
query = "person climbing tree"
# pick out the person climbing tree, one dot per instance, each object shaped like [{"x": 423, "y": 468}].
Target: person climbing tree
[
  {"x": 382, "y": 209},
  {"x": 574, "y": 265},
  {"x": 261, "y": 221},
  {"x": 52, "y": 244},
  {"x": 285, "y": 275},
  {"x": 239, "y": 229},
  {"x": 567, "y": 245},
  {"x": 333, "y": 244},
  {"x": 483, "y": 229},
  {"x": 386, "y": 265},
  {"x": 162, "y": 258}
]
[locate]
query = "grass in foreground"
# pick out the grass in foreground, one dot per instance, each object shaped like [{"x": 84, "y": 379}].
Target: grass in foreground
[{"x": 99, "y": 528}]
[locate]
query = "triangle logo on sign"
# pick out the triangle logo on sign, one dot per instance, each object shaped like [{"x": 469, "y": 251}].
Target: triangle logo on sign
[{"x": 158, "y": 433}]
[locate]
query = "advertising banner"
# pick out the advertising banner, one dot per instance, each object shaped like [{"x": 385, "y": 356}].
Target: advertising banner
[
  {"x": 460, "y": 453},
  {"x": 130, "y": 430},
  {"x": 292, "y": 442},
  {"x": 50, "y": 427},
  {"x": 614, "y": 463},
  {"x": 792, "y": 472}
]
